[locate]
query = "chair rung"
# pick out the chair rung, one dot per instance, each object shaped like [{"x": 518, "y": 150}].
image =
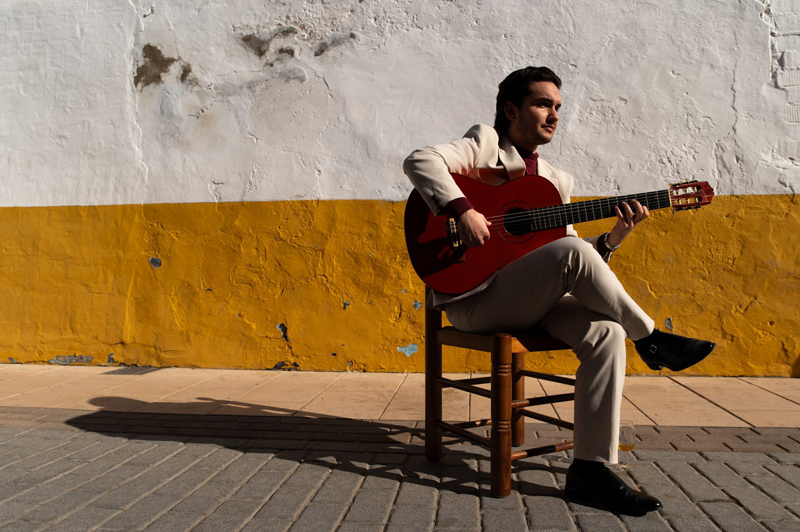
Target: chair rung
[
  {"x": 546, "y": 400},
  {"x": 548, "y": 377},
  {"x": 547, "y": 419},
  {"x": 473, "y": 424},
  {"x": 464, "y": 387},
  {"x": 475, "y": 380},
  {"x": 545, "y": 449},
  {"x": 467, "y": 435}
]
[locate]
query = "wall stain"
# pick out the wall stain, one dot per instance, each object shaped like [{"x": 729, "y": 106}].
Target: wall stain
[
  {"x": 336, "y": 39},
  {"x": 72, "y": 359},
  {"x": 260, "y": 45},
  {"x": 155, "y": 65}
]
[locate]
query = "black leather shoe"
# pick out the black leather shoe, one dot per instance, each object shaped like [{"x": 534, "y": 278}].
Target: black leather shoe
[
  {"x": 663, "y": 350},
  {"x": 604, "y": 487}
]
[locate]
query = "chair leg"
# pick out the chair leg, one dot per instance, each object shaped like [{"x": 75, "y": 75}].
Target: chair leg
[
  {"x": 433, "y": 388},
  {"x": 517, "y": 393},
  {"x": 501, "y": 415}
]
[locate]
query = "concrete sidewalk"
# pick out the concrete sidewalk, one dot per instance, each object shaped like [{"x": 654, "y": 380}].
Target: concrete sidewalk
[{"x": 92, "y": 448}]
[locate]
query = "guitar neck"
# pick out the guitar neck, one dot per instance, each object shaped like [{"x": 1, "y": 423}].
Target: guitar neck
[{"x": 544, "y": 218}]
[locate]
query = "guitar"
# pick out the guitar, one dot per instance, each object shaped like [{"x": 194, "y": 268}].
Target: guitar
[{"x": 526, "y": 214}]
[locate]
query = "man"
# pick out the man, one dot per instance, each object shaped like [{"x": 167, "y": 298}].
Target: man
[{"x": 564, "y": 288}]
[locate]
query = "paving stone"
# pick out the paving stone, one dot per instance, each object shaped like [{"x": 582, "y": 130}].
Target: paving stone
[
  {"x": 411, "y": 518},
  {"x": 338, "y": 488},
  {"x": 786, "y": 458},
  {"x": 697, "y": 487},
  {"x": 777, "y": 489},
  {"x": 788, "y": 473},
  {"x": 173, "y": 521},
  {"x": 494, "y": 521},
  {"x": 730, "y": 517},
  {"x": 261, "y": 486},
  {"x": 457, "y": 510},
  {"x": 142, "y": 513},
  {"x": 382, "y": 480},
  {"x": 600, "y": 523},
  {"x": 284, "y": 461},
  {"x": 650, "y": 522},
  {"x": 218, "y": 459},
  {"x": 360, "y": 527},
  {"x": 371, "y": 506},
  {"x": 308, "y": 476},
  {"x": 675, "y": 456},
  {"x": 285, "y": 504},
  {"x": 21, "y": 526},
  {"x": 59, "y": 507},
  {"x": 319, "y": 518},
  {"x": 231, "y": 515},
  {"x": 241, "y": 470},
  {"x": 653, "y": 482},
  {"x": 267, "y": 525},
  {"x": 418, "y": 493},
  {"x": 782, "y": 526},
  {"x": 512, "y": 503},
  {"x": 548, "y": 513},
  {"x": 114, "y": 478},
  {"x": 11, "y": 510},
  {"x": 757, "y": 504},
  {"x": 681, "y": 524},
  {"x": 728, "y": 457},
  {"x": 84, "y": 519},
  {"x": 180, "y": 486},
  {"x": 205, "y": 499}
]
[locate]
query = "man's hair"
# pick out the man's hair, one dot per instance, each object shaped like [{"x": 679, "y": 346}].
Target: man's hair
[{"x": 515, "y": 88}]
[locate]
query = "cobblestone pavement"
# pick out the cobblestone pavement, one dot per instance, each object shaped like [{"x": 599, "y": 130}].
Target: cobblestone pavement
[{"x": 74, "y": 470}]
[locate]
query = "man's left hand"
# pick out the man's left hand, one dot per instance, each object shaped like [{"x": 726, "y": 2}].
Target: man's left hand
[{"x": 627, "y": 220}]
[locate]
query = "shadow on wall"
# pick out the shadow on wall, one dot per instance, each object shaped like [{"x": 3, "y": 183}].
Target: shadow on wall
[
  {"x": 392, "y": 451},
  {"x": 796, "y": 369}
]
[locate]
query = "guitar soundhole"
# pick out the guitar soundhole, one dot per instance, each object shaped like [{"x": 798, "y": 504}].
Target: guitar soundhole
[{"x": 517, "y": 223}]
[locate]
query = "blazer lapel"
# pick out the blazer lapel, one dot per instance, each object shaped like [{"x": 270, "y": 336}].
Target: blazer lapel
[{"x": 510, "y": 159}]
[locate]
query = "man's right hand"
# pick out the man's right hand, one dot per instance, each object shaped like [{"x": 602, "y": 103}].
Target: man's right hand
[{"x": 473, "y": 228}]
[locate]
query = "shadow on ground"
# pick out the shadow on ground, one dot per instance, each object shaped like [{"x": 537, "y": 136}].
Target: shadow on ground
[{"x": 390, "y": 450}]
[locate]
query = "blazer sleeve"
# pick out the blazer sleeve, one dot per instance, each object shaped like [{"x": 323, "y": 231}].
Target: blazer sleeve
[{"x": 429, "y": 168}]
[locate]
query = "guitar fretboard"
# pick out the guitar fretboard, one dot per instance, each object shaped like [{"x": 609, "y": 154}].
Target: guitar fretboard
[{"x": 544, "y": 218}]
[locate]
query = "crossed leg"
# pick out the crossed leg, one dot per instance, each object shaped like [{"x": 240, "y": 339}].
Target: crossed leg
[{"x": 566, "y": 289}]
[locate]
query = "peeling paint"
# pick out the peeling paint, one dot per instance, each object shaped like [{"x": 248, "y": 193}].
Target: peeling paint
[
  {"x": 345, "y": 304},
  {"x": 334, "y": 40},
  {"x": 72, "y": 359},
  {"x": 259, "y": 42},
  {"x": 408, "y": 350},
  {"x": 155, "y": 262},
  {"x": 14, "y": 360},
  {"x": 110, "y": 359},
  {"x": 154, "y": 66},
  {"x": 287, "y": 366},
  {"x": 417, "y": 305},
  {"x": 668, "y": 323},
  {"x": 284, "y": 331}
]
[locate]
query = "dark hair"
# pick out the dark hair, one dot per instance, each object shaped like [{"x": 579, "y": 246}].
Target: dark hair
[{"x": 515, "y": 88}]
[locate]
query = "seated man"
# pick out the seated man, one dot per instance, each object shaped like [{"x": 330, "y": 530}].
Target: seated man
[{"x": 564, "y": 288}]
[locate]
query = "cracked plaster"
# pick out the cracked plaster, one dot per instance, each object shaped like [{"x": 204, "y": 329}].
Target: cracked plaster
[{"x": 302, "y": 100}]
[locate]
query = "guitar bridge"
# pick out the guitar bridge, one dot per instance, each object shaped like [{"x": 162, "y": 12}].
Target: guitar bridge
[{"x": 455, "y": 240}]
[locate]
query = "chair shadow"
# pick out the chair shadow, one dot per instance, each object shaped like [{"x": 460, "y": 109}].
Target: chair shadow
[{"x": 388, "y": 450}]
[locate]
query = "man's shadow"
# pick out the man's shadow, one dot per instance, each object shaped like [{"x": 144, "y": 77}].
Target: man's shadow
[{"x": 393, "y": 450}]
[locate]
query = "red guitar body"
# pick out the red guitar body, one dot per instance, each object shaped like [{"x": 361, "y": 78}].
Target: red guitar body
[{"x": 456, "y": 269}]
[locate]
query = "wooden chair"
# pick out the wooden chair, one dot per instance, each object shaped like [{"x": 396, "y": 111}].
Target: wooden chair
[{"x": 507, "y": 395}]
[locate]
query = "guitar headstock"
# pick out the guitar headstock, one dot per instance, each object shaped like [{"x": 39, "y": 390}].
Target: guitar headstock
[{"x": 690, "y": 194}]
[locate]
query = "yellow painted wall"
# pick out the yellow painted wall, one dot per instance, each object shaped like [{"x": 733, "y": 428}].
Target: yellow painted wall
[{"x": 78, "y": 285}]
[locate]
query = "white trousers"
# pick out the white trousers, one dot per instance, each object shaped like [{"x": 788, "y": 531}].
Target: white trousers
[{"x": 567, "y": 290}]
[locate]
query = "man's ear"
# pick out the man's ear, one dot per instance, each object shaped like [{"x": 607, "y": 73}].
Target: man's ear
[{"x": 510, "y": 110}]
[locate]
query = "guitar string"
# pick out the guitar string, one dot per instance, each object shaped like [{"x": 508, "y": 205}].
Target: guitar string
[
  {"x": 556, "y": 216},
  {"x": 551, "y": 210},
  {"x": 571, "y": 209}
]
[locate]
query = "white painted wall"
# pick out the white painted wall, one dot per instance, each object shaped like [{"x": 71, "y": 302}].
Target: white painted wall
[{"x": 655, "y": 91}]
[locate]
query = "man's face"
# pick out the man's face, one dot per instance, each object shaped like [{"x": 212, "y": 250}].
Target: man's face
[{"x": 535, "y": 121}]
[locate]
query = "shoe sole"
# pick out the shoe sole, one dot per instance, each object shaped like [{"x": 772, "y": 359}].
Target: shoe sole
[
  {"x": 699, "y": 358},
  {"x": 585, "y": 498}
]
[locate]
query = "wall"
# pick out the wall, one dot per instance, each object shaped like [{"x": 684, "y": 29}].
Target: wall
[{"x": 220, "y": 186}]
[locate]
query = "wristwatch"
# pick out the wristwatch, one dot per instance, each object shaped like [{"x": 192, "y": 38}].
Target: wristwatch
[{"x": 609, "y": 247}]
